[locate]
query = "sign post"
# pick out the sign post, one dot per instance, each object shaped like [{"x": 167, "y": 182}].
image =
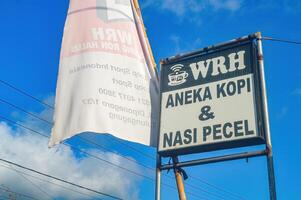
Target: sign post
[
  {"x": 179, "y": 180},
  {"x": 270, "y": 162},
  {"x": 158, "y": 178},
  {"x": 214, "y": 99}
]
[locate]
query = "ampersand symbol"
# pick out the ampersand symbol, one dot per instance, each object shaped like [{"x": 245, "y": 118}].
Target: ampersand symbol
[{"x": 206, "y": 114}]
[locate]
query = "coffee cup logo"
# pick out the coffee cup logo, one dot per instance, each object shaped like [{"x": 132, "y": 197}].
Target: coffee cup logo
[{"x": 178, "y": 76}]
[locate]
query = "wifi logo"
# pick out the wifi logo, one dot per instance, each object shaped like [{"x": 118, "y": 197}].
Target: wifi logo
[
  {"x": 177, "y": 76},
  {"x": 176, "y": 68}
]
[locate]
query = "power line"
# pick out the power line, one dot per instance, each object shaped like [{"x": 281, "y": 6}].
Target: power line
[
  {"x": 82, "y": 138},
  {"x": 88, "y": 154},
  {"x": 102, "y": 159},
  {"x": 75, "y": 148},
  {"x": 61, "y": 186},
  {"x": 17, "y": 193},
  {"x": 107, "y": 149},
  {"x": 32, "y": 183},
  {"x": 281, "y": 40},
  {"x": 25, "y": 111},
  {"x": 25, "y": 93},
  {"x": 134, "y": 149},
  {"x": 120, "y": 142},
  {"x": 219, "y": 188},
  {"x": 91, "y": 142},
  {"x": 58, "y": 179},
  {"x": 50, "y": 123}
]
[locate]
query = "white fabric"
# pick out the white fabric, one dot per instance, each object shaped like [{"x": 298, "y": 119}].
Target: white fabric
[{"x": 106, "y": 81}]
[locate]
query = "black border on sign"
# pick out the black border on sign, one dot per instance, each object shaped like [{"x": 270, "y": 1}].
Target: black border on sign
[{"x": 260, "y": 139}]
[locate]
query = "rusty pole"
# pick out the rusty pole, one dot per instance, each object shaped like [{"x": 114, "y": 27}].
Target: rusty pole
[{"x": 179, "y": 180}]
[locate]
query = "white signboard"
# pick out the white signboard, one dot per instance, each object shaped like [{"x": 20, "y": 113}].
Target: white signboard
[{"x": 209, "y": 101}]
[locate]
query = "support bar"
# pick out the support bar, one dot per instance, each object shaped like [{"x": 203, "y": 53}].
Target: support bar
[{"x": 215, "y": 159}]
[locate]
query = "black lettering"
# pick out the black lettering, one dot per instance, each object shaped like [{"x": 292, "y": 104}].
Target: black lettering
[
  {"x": 220, "y": 90},
  {"x": 206, "y": 132},
  {"x": 207, "y": 94},
  {"x": 248, "y": 85},
  {"x": 188, "y": 97},
  {"x": 169, "y": 101},
  {"x": 197, "y": 96},
  {"x": 187, "y": 136},
  {"x": 240, "y": 84},
  {"x": 231, "y": 88},
  {"x": 237, "y": 129},
  {"x": 194, "y": 135},
  {"x": 167, "y": 139},
  {"x": 227, "y": 134},
  {"x": 217, "y": 132},
  {"x": 248, "y": 132},
  {"x": 178, "y": 139},
  {"x": 179, "y": 99}
]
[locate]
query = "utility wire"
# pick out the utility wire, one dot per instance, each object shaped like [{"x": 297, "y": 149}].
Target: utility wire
[
  {"x": 58, "y": 179},
  {"x": 280, "y": 40},
  {"x": 219, "y": 188},
  {"x": 25, "y": 111},
  {"x": 88, "y": 141},
  {"x": 17, "y": 193},
  {"x": 88, "y": 154},
  {"x": 25, "y": 93},
  {"x": 32, "y": 183},
  {"x": 52, "y": 183},
  {"x": 82, "y": 138},
  {"x": 102, "y": 147},
  {"x": 134, "y": 149},
  {"x": 76, "y": 148}
]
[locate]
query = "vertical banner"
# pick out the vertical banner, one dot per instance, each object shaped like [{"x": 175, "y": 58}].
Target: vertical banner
[{"x": 107, "y": 81}]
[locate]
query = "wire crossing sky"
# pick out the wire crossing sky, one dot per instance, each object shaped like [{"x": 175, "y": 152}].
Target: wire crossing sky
[{"x": 31, "y": 37}]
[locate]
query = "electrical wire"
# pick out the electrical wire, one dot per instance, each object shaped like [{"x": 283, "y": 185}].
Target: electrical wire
[
  {"x": 102, "y": 147},
  {"x": 25, "y": 111},
  {"x": 280, "y": 40},
  {"x": 52, "y": 183},
  {"x": 26, "y": 94},
  {"x": 82, "y": 138},
  {"x": 58, "y": 179},
  {"x": 88, "y": 141},
  {"x": 17, "y": 193},
  {"x": 32, "y": 183},
  {"x": 117, "y": 141},
  {"x": 90, "y": 155}
]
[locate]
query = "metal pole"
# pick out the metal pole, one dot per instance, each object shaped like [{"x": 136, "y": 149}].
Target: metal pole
[
  {"x": 216, "y": 159},
  {"x": 158, "y": 178},
  {"x": 179, "y": 180},
  {"x": 270, "y": 164},
  {"x": 152, "y": 60}
]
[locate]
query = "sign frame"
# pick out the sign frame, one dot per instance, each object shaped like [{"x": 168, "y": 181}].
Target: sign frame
[
  {"x": 257, "y": 93},
  {"x": 267, "y": 152}
]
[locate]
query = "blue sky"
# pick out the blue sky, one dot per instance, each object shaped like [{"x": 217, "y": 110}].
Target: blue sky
[{"x": 31, "y": 33}]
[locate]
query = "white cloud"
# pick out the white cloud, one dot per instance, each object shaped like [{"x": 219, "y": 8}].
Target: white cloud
[
  {"x": 193, "y": 7},
  {"x": 282, "y": 113},
  {"x": 180, "y": 45},
  {"x": 297, "y": 91},
  {"x": 31, "y": 150},
  {"x": 231, "y": 5}
]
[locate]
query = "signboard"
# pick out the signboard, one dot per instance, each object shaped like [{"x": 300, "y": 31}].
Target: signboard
[{"x": 211, "y": 100}]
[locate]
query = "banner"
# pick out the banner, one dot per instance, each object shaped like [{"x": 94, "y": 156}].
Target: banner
[{"x": 107, "y": 81}]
